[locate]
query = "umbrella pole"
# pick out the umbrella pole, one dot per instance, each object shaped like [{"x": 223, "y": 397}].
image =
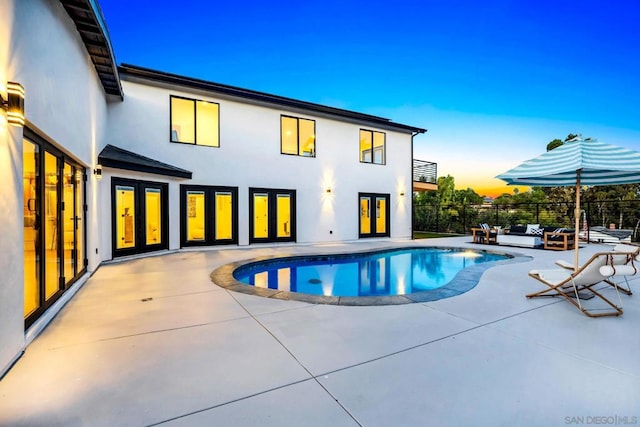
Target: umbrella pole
[{"x": 577, "y": 227}]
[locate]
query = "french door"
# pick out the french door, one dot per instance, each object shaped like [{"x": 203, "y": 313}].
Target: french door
[
  {"x": 208, "y": 215},
  {"x": 139, "y": 216},
  {"x": 374, "y": 215},
  {"x": 272, "y": 215},
  {"x": 54, "y": 227}
]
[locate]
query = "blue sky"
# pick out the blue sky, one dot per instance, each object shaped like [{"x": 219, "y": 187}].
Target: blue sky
[{"x": 493, "y": 81}]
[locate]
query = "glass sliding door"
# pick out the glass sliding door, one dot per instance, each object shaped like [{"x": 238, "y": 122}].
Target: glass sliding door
[
  {"x": 208, "y": 215},
  {"x": 139, "y": 216},
  {"x": 68, "y": 223},
  {"x": 80, "y": 225},
  {"x": 374, "y": 215},
  {"x": 53, "y": 206},
  {"x": 272, "y": 215},
  {"x": 51, "y": 221},
  {"x": 32, "y": 239}
]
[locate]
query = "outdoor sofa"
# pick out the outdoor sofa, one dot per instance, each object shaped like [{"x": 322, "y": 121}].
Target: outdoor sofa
[{"x": 534, "y": 236}]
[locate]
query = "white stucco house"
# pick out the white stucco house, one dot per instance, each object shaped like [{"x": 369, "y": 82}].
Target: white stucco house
[{"x": 115, "y": 161}]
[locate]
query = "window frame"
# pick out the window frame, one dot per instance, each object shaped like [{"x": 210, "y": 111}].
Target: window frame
[
  {"x": 384, "y": 147},
  {"x": 297, "y": 119},
  {"x": 195, "y": 121}
]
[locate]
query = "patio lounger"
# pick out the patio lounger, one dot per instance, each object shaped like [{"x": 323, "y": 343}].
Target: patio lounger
[
  {"x": 623, "y": 262},
  {"x": 568, "y": 284}
]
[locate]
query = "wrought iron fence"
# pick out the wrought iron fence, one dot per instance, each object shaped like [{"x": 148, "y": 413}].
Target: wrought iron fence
[{"x": 460, "y": 218}]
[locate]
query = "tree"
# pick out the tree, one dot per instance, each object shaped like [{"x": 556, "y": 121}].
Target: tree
[{"x": 554, "y": 144}]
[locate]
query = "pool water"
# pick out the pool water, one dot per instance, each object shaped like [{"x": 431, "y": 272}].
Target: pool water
[{"x": 396, "y": 272}]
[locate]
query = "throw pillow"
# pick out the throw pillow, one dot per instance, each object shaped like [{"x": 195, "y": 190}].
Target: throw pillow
[
  {"x": 532, "y": 227},
  {"x": 537, "y": 231}
]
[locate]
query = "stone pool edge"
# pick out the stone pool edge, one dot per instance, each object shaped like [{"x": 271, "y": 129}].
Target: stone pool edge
[{"x": 462, "y": 282}]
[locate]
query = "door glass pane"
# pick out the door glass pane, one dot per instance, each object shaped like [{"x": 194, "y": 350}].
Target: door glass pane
[
  {"x": 153, "y": 208},
  {"x": 79, "y": 188},
  {"x": 260, "y": 216},
  {"x": 195, "y": 215},
  {"x": 365, "y": 216},
  {"x": 125, "y": 217},
  {"x": 52, "y": 260},
  {"x": 284, "y": 215},
  {"x": 31, "y": 227},
  {"x": 381, "y": 215},
  {"x": 68, "y": 222},
  {"x": 224, "y": 221}
]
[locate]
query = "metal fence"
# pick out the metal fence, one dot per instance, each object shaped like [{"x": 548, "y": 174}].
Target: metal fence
[{"x": 460, "y": 218}]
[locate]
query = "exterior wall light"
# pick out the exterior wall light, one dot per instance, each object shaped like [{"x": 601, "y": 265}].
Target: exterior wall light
[
  {"x": 14, "y": 104},
  {"x": 402, "y": 194},
  {"x": 98, "y": 171},
  {"x": 328, "y": 189}
]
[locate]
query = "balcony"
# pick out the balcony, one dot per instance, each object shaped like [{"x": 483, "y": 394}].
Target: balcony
[{"x": 425, "y": 175}]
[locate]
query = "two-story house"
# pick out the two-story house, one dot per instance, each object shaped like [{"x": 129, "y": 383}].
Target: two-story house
[{"x": 105, "y": 161}]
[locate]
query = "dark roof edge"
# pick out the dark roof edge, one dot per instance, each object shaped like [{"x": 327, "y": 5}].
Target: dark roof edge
[
  {"x": 175, "y": 79},
  {"x": 92, "y": 7},
  {"x": 119, "y": 158}
]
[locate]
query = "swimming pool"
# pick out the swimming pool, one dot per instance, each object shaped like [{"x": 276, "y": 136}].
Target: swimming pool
[{"x": 416, "y": 274}]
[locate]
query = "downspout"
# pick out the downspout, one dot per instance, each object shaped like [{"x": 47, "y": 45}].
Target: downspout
[{"x": 413, "y": 134}]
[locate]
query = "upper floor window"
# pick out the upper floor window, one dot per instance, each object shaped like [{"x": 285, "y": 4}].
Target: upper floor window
[
  {"x": 195, "y": 122},
  {"x": 297, "y": 136},
  {"x": 372, "y": 147}
]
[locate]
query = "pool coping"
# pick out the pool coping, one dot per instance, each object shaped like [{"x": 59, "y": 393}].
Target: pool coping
[{"x": 463, "y": 281}]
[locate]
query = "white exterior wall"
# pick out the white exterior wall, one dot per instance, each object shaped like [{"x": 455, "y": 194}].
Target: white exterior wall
[
  {"x": 249, "y": 156},
  {"x": 41, "y": 49}
]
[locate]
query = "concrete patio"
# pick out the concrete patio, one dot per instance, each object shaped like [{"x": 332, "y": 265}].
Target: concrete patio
[{"x": 152, "y": 341}]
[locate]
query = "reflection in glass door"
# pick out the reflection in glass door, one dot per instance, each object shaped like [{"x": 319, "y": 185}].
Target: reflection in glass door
[
  {"x": 31, "y": 182},
  {"x": 125, "y": 214}
]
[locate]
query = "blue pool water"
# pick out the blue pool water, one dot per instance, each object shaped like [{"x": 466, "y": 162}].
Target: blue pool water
[{"x": 396, "y": 272}]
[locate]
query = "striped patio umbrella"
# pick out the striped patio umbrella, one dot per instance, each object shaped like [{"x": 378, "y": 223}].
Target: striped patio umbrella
[{"x": 576, "y": 163}]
